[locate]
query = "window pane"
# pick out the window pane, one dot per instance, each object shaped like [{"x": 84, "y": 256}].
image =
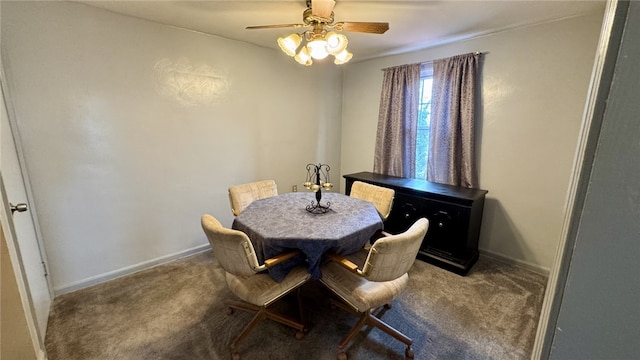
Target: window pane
[
  {"x": 422, "y": 137},
  {"x": 422, "y": 150},
  {"x": 425, "y": 102}
]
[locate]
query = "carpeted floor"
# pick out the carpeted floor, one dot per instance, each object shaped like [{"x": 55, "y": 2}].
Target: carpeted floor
[{"x": 176, "y": 311}]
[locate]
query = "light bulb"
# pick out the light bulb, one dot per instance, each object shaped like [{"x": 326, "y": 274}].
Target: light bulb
[
  {"x": 336, "y": 43},
  {"x": 304, "y": 57},
  {"x": 289, "y": 44},
  {"x": 318, "y": 49},
  {"x": 343, "y": 57}
]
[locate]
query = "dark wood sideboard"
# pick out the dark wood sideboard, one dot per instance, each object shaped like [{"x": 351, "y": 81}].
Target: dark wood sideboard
[{"x": 454, "y": 213}]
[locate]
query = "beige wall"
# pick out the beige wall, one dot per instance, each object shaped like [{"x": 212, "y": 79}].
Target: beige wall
[
  {"x": 534, "y": 86},
  {"x": 15, "y": 340},
  {"x": 121, "y": 173}
]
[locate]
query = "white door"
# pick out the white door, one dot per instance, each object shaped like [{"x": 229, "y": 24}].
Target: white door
[{"x": 28, "y": 246}]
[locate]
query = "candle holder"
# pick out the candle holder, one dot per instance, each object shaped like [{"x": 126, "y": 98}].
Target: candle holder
[{"x": 318, "y": 179}]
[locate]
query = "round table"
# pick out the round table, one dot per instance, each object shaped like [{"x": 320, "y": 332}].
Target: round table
[{"x": 281, "y": 223}]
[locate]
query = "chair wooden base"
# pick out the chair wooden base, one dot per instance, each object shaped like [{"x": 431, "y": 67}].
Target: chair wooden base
[
  {"x": 368, "y": 318},
  {"x": 263, "y": 312}
]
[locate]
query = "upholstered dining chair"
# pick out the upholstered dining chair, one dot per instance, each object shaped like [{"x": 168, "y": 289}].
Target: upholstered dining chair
[
  {"x": 370, "y": 280},
  {"x": 246, "y": 279},
  {"x": 240, "y": 196},
  {"x": 381, "y": 197}
]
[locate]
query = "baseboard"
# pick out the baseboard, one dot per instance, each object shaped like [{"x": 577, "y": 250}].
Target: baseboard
[
  {"x": 520, "y": 263},
  {"x": 67, "y": 288}
]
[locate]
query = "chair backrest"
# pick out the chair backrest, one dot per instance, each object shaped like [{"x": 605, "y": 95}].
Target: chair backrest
[
  {"x": 381, "y": 197},
  {"x": 392, "y": 256},
  {"x": 240, "y": 196},
  {"x": 232, "y": 248}
]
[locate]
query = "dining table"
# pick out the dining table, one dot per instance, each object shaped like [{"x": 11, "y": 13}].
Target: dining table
[{"x": 282, "y": 223}]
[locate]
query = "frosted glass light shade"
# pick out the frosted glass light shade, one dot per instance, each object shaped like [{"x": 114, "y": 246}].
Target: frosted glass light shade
[
  {"x": 336, "y": 43},
  {"x": 304, "y": 57},
  {"x": 318, "y": 49},
  {"x": 290, "y": 43},
  {"x": 343, "y": 57}
]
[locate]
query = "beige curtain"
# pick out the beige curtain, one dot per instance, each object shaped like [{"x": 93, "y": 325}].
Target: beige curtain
[
  {"x": 452, "y": 140},
  {"x": 397, "y": 120}
]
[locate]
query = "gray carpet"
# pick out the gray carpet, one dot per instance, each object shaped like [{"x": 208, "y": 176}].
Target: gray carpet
[{"x": 176, "y": 311}]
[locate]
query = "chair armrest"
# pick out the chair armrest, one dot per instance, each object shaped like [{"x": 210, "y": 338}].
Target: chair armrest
[
  {"x": 278, "y": 259},
  {"x": 342, "y": 261}
]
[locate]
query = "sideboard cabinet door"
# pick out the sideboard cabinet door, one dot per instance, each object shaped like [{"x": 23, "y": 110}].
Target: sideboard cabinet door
[{"x": 405, "y": 211}]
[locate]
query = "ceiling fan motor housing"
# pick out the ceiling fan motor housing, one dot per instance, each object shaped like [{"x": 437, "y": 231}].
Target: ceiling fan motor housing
[{"x": 309, "y": 19}]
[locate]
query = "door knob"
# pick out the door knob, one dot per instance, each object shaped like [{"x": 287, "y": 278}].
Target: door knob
[{"x": 22, "y": 207}]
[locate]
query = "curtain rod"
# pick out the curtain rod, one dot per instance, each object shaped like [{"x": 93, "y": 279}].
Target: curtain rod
[
  {"x": 476, "y": 53},
  {"x": 391, "y": 67}
]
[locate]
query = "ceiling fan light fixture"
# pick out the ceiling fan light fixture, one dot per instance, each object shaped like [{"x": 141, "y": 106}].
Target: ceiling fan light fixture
[
  {"x": 343, "y": 57},
  {"x": 324, "y": 37},
  {"x": 290, "y": 44},
  {"x": 336, "y": 43}
]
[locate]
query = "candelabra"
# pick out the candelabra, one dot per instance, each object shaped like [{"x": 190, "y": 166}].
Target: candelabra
[{"x": 317, "y": 179}]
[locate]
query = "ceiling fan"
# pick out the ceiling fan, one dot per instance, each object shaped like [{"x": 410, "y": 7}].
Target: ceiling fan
[{"x": 322, "y": 39}]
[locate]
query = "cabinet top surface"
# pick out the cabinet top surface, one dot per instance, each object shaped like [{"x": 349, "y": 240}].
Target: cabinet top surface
[{"x": 418, "y": 185}]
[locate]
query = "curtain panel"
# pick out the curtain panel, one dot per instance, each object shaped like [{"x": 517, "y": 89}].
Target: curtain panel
[
  {"x": 452, "y": 139},
  {"x": 397, "y": 122}
]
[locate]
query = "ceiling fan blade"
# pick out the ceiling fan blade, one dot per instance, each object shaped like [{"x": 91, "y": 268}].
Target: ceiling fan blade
[
  {"x": 275, "y": 26},
  {"x": 322, "y": 8},
  {"x": 365, "y": 27}
]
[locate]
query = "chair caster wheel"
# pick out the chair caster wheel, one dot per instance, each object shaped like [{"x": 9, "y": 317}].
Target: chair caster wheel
[
  {"x": 408, "y": 354},
  {"x": 299, "y": 335},
  {"x": 342, "y": 355}
]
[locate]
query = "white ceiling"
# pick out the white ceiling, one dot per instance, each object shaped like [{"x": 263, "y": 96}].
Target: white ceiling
[{"x": 413, "y": 24}]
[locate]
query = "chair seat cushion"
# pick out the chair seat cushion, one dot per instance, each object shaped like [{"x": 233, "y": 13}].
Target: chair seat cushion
[
  {"x": 261, "y": 290},
  {"x": 357, "y": 291}
]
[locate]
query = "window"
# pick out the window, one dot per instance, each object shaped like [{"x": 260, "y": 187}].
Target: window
[{"x": 424, "y": 120}]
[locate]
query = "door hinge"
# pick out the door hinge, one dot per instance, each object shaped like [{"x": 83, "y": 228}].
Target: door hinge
[{"x": 44, "y": 267}]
